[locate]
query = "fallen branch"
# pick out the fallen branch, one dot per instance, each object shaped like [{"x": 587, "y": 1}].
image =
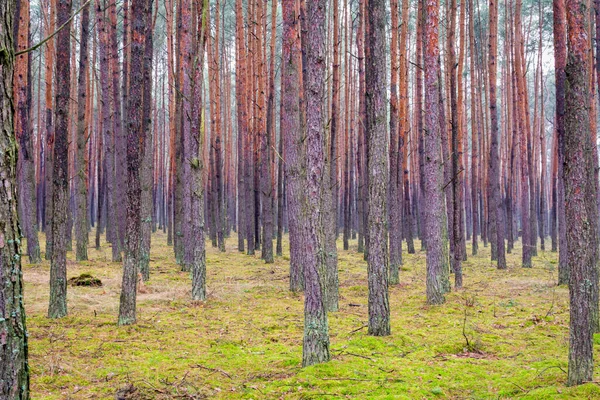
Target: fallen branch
[
  {"x": 357, "y": 329},
  {"x": 212, "y": 370}
]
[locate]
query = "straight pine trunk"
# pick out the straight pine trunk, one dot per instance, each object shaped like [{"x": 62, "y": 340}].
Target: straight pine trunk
[
  {"x": 24, "y": 133},
  {"x": 581, "y": 191},
  {"x": 316, "y": 329},
  {"x": 14, "y": 370},
  {"x": 136, "y": 136},
  {"x": 60, "y": 193},
  {"x": 81, "y": 172},
  {"x": 377, "y": 254}
]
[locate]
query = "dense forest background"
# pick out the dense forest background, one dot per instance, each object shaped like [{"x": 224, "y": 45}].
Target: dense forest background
[{"x": 218, "y": 162}]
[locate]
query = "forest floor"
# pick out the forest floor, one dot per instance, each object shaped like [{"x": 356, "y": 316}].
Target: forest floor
[{"x": 245, "y": 341}]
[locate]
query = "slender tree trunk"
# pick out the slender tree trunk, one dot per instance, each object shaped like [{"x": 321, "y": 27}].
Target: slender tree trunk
[
  {"x": 404, "y": 126},
  {"x": 377, "y": 255},
  {"x": 242, "y": 120},
  {"x": 147, "y": 162},
  {"x": 14, "y": 370},
  {"x": 295, "y": 173},
  {"x": 198, "y": 267},
  {"x": 433, "y": 205},
  {"x": 49, "y": 154},
  {"x": 581, "y": 191},
  {"x": 265, "y": 121},
  {"x": 560, "y": 61},
  {"x": 496, "y": 194},
  {"x": 81, "y": 173},
  {"x": 24, "y": 133},
  {"x": 475, "y": 132},
  {"x": 60, "y": 194},
  {"x": 136, "y": 136},
  {"x": 523, "y": 135},
  {"x": 316, "y": 329},
  {"x": 394, "y": 186}
]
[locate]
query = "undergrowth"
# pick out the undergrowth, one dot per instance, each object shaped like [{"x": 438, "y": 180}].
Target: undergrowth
[{"x": 505, "y": 335}]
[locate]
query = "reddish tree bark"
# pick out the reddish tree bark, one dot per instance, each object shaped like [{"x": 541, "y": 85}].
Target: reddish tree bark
[
  {"x": 581, "y": 191},
  {"x": 560, "y": 61},
  {"x": 433, "y": 205},
  {"x": 24, "y": 133}
]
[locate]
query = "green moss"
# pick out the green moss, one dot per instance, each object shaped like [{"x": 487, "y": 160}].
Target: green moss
[{"x": 245, "y": 341}]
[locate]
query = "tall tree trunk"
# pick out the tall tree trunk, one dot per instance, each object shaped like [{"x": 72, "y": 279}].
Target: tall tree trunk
[
  {"x": 581, "y": 191},
  {"x": 108, "y": 118},
  {"x": 522, "y": 110},
  {"x": 316, "y": 329},
  {"x": 242, "y": 120},
  {"x": 198, "y": 267},
  {"x": 49, "y": 154},
  {"x": 81, "y": 173},
  {"x": 147, "y": 163},
  {"x": 496, "y": 194},
  {"x": 294, "y": 147},
  {"x": 265, "y": 121},
  {"x": 136, "y": 136},
  {"x": 24, "y": 134},
  {"x": 377, "y": 254},
  {"x": 394, "y": 186},
  {"x": 433, "y": 203},
  {"x": 330, "y": 190},
  {"x": 404, "y": 125},
  {"x": 560, "y": 62},
  {"x": 14, "y": 370},
  {"x": 60, "y": 193},
  {"x": 475, "y": 132}
]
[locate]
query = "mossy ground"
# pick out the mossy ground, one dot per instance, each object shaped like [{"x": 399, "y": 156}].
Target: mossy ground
[{"x": 245, "y": 341}]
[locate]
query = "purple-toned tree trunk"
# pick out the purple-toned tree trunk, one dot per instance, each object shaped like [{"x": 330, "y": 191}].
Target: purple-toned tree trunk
[
  {"x": 81, "y": 194},
  {"x": 377, "y": 254},
  {"x": 295, "y": 173},
  {"x": 147, "y": 165},
  {"x": 60, "y": 194},
  {"x": 581, "y": 191},
  {"x": 136, "y": 136},
  {"x": 433, "y": 203},
  {"x": 394, "y": 187},
  {"x": 316, "y": 329}
]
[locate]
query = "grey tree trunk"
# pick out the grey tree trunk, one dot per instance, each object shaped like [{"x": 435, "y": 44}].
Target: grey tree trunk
[
  {"x": 14, "y": 370},
  {"x": 433, "y": 202},
  {"x": 316, "y": 329},
  {"x": 295, "y": 158},
  {"x": 136, "y": 136},
  {"x": 198, "y": 267},
  {"x": 81, "y": 200},
  {"x": 147, "y": 166},
  {"x": 377, "y": 139},
  {"x": 60, "y": 193}
]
